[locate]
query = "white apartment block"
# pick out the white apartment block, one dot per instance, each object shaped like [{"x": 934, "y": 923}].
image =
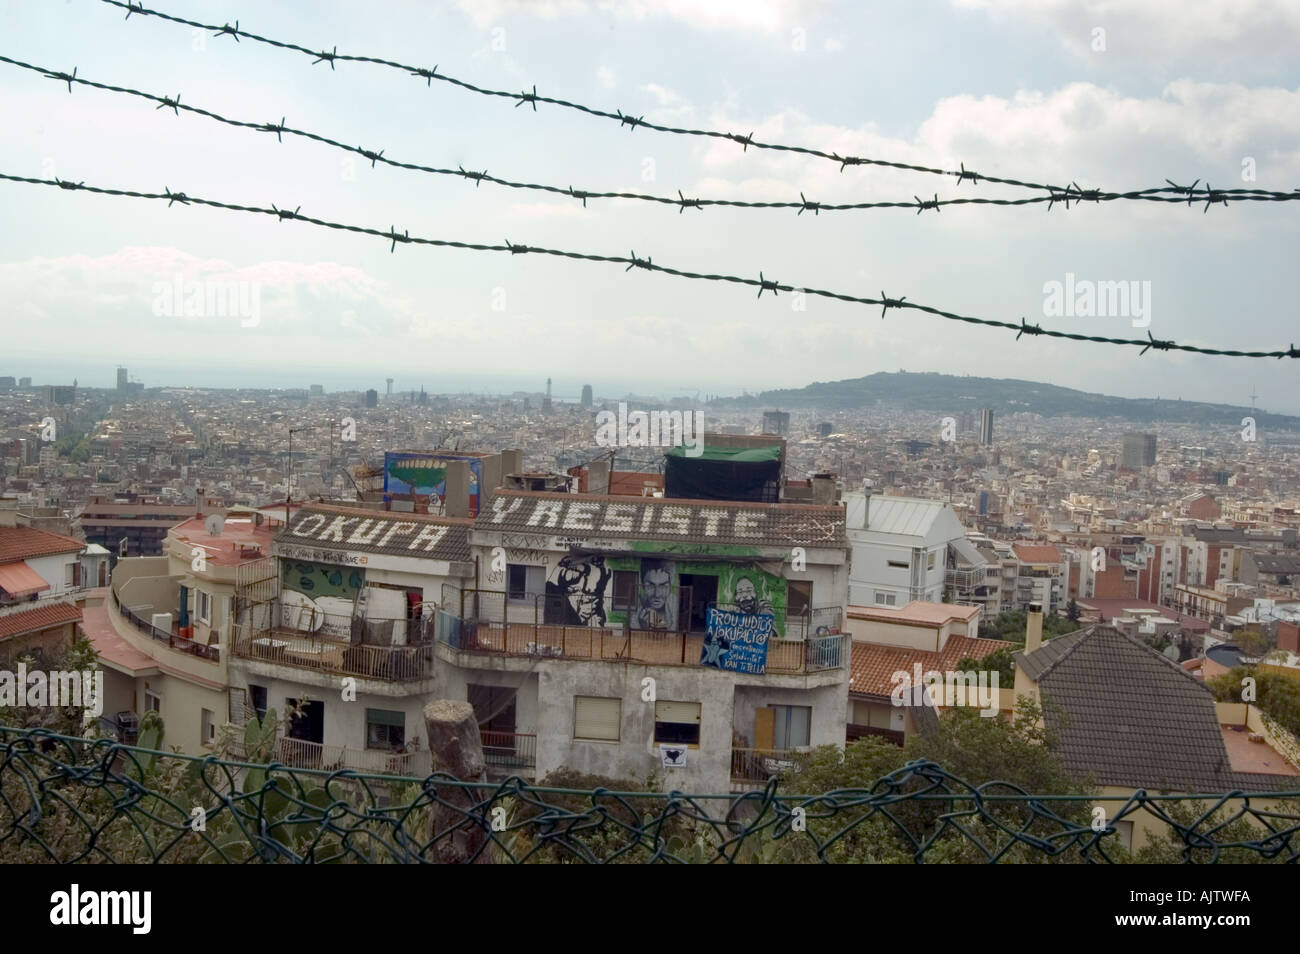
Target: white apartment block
[{"x": 898, "y": 548}]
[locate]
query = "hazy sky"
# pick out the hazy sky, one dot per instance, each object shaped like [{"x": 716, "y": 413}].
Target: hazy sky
[{"x": 1009, "y": 87}]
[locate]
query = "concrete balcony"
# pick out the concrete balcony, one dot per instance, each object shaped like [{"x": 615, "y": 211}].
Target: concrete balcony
[
  {"x": 751, "y": 768},
  {"x": 784, "y": 656},
  {"x": 295, "y": 649}
]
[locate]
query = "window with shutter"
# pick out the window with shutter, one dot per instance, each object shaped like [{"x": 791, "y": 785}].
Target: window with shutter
[
  {"x": 677, "y": 722},
  {"x": 385, "y": 729},
  {"x": 596, "y": 719}
]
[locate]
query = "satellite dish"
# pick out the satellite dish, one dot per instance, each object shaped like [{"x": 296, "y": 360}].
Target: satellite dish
[{"x": 214, "y": 523}]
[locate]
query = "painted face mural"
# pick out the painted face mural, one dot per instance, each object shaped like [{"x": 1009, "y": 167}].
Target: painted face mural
[
  {"x": 576, "y": 594},
  {"x": 656, "y": 608}
]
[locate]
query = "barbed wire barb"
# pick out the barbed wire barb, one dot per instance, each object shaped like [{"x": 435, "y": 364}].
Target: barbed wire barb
[
  {"x": 1165, "y": 193},
  {"x": 762, "y": 283}
]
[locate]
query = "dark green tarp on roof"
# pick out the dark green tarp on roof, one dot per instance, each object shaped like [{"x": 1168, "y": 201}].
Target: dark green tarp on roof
[{"x": 745, "y": 455}]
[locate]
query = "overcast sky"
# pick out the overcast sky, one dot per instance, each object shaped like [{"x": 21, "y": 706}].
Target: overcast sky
[{"x": 1009, "y": 87}]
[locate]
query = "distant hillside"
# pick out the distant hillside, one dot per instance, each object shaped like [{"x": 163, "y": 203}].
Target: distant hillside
[{"x": 945, "y": 393}]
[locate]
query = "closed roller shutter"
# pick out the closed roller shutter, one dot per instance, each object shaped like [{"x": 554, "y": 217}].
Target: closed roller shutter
[
  {"x": 688, "y": 712},
  {"x": 595, "y": 718}
]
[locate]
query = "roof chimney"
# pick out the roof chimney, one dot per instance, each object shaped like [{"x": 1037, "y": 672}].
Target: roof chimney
[
  {"x": 866, "y": 505},
  {"x": 598, "y": 475},
  {"x": 1034, "y": 627},
  {"x": 823, "y": 489}
]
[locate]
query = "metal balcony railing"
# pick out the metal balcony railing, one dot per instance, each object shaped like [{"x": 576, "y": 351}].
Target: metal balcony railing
[
  {"x": 171, "y": 640},
  {"x": 305, "y": 651},
  {"x": 490, "y": 628},
  {"x": 761, "y": 764},
  {"x": 509, "y": 753},
  {"x": 304, "y": 754}
]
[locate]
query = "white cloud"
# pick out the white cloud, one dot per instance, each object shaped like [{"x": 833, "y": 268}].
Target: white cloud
[
  {"x": 765, "y": 15},
  {"x": 1081, "y": 132},
  {"x": 605, "y": 76},
  {"x": 664, "y": 96},
  {"x": 558, "y": 209},
  {"x": 1245, "y": 32},
  {"x": 92, "y": 299}
]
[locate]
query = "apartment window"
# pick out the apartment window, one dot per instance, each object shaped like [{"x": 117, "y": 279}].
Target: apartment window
[
  {"x": 203, "y": 606},
  {"x": 207, "y": 727},
  {"x": 1124, "y": 832},
  {"x": 798, "y": 600},
  {"x": 884, "y": 599},
  {"x": 625, "y": 584},
  {"x": 525, "y": 582},
  {"x": 793, "y": 726},
  {"x": 899, "y": 564},
  {"x": 258, "y": 696},
  {"x": 152, "y": 702},
  {"x": 596, "y": 719},
  {"x": 929, "y": 563},
  {"x": 385, "y": 729},
  {"x": 69, "y": 574},
  {"x": 677, "y": 722}
]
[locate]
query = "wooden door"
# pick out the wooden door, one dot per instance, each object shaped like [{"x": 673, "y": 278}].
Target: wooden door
[{"x": 764, "y": 728}]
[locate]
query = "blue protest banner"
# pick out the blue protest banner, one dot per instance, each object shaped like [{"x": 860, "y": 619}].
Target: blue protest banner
[{"x": 737, "y": 641}]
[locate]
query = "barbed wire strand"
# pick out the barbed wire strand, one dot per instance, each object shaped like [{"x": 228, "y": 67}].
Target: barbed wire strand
[
  {"x": 1169, "y": 193},
  {"x": 1071, "y": 193},
  {"x": 762, "y": 283},
  {"x": 532, "y": 98}
]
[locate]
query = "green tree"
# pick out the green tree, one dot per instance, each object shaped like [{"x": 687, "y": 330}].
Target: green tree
[
  {"x": 1010, "y": 625},
  {"x": 999, "y": 660},
  {"x": 1224, "y": 826},
  {"x": 77, "y": 656},
  {"x": 981, "y": 753},
  {"x": 1254, "y": 642},
  {"x": 1275, "y": 694}
]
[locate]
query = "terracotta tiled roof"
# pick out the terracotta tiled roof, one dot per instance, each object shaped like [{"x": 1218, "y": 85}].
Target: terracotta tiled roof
[
  {"x": 34, "y": 620},
  {"x": 25, "y": 543},
  {"x": 874, "y": 664},
  {"x": 241, "y": 540},
  {"x": 1034, "y": 553}
]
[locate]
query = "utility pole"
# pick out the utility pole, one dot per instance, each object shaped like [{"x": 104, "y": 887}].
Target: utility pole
[{"x": 288, "y": 497}]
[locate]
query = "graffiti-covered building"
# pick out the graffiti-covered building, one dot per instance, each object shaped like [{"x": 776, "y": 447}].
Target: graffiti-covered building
[
  {"x": 619, "y": 635},
  {"x": 340, "y": 626}
]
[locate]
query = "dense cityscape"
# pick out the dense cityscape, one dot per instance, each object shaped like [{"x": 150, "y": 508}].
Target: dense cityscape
[{"x": 342, "y": 528}]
